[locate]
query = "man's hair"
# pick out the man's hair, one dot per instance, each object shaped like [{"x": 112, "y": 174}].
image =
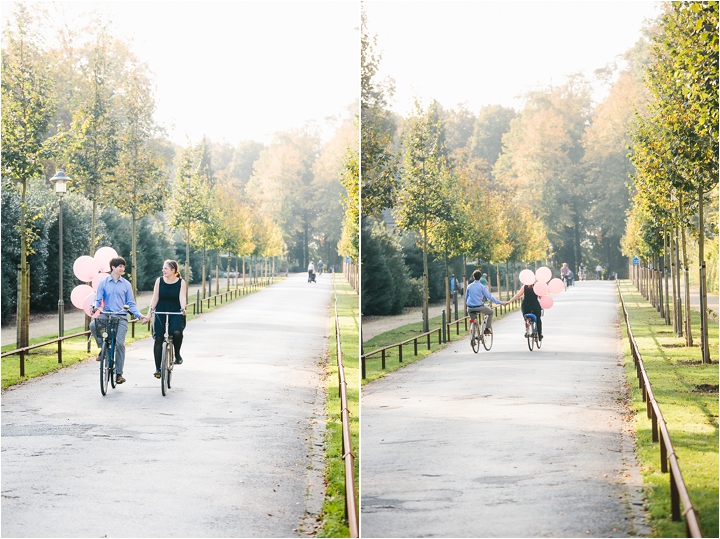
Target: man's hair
[
  {"x": 118, "y": 261},
  {"x": 477, "y": 274}
]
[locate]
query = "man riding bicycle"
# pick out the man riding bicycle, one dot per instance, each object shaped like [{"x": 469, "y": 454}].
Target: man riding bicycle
[
  {"x": 476, "y": 293},
  {"x": 115, "y": 292}
]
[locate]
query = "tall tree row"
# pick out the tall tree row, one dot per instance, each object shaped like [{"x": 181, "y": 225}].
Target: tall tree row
[{"x": 675, "y": 148}]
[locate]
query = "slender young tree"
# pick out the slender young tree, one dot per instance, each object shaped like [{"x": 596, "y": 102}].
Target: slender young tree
[{"x": 27, "y": 108}]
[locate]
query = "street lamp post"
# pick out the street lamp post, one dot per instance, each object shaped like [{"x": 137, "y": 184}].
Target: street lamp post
[{"x": 60, "y": 180}]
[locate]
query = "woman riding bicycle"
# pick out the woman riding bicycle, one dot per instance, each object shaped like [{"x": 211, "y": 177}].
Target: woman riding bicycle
[
  {"x": 169, "y": 295},
  {"x": 530, "y": 305}
]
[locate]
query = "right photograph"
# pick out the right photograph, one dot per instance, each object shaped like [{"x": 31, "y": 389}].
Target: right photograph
[{"x": 539, "y": 269}]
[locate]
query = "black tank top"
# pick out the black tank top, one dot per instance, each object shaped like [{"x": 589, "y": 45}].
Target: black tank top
[
  {"x": 169, "y": 296},
  {"x": 530, "y": 299}
]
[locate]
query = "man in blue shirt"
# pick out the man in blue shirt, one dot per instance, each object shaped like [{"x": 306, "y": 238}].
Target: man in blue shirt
[
  {"x": 115, "y": 292},
  {"x": 476, "y": 292}
]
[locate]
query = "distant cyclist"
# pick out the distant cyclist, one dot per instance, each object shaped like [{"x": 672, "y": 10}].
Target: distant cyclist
[
  {"x": 319, "y": 267},
  {"x": 476, "y": 294}
]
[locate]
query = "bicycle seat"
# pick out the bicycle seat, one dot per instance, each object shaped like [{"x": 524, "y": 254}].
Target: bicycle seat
[{"x": 531, "y": 316}]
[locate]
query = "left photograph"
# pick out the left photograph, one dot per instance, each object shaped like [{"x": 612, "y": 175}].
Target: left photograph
[{"x": 180, "y": 279}]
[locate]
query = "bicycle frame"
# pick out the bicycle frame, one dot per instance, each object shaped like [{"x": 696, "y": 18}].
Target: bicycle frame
[
  {"x": 168, "y": 361},
  {"x": 109, "y": 336}
]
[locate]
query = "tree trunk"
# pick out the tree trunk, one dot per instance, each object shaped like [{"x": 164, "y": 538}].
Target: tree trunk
[
  {"x": 704, "y": 334},
  {"x": 23, "y": 300},
  {"x": 426, "y": 290},
  {"x": 244, "y": 283},
  {"x": 133, "y": 255},
  {"x": 217, "y": 271},
  {"x": 678, "y": 301},
  {"x": 447, "y": 287},
  {"x": 187, "y": 262},
  {"x": 666, "y": 265},
  {"x": 204, "y": 295}
]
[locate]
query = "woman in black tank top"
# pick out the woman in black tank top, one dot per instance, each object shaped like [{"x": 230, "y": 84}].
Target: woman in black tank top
[
  {"x": 168, "y": 296},
  {"x": 530, "y": 304}
]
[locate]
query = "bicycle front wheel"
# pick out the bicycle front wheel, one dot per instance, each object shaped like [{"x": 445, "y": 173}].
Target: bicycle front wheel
[
  {"x": 487, "y": 341},
  {"x": 474, "y": 337},
  {"x": 104, "y": 369},
  {"x": 163, "y": 371},
  {"x": 170, "y": 363}
]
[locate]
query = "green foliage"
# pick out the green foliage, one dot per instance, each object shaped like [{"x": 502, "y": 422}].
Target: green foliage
[
  {"x": 491, "y": 124},
  {"x": 377, "y": 159},
  {"x": 28, "y": 100},
  {"x": 384, "y": 275}
]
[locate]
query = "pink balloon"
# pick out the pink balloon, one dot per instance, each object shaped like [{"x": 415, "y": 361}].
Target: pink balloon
[
  {"x": 85, "y": 268},
  {"x": 556, "y": 286},
  {"x": 103, "y": 256},
  {"x": 541, "y": 288},
  {"x": 527, "y": 277},
  {"x": 86, "y": 306},
  {"x": 546, "y": 302},
  {"x": 99, "y": 277},
  {"x": 543, "y": 274},
  {"x": 77, "y": 296}
]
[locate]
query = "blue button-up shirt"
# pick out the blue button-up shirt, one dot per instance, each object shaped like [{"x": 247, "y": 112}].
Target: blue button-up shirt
[
  {"x": 116, "y": 294},
  {"x": 476, "y": 291}
]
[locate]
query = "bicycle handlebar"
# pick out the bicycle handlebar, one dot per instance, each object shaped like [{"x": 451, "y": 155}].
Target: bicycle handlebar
[{"x": 163, "y": 312}]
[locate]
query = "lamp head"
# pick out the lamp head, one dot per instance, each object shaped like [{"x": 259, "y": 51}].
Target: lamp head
[{"x": 60, "y": 180}]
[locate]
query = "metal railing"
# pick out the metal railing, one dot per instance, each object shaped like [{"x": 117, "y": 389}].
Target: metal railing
[
  {"x": 678, "y": 490},
  {"x": 399, "y": 346},
  {"x": 442, "y": 337},
  {"x": 197, "y": 308},
  {"x": 351, "y": 508}
]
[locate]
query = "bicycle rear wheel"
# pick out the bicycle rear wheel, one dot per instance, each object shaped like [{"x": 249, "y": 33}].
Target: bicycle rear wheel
[
  {"x": 487, "y": 340},
  {"x": 538, "y": 340},
  {"x": 163, "y": 371},
  {"x": 474, "y": 337},
  {"x": 530, "y": 338},
  {"x": 104, "y": 369}
]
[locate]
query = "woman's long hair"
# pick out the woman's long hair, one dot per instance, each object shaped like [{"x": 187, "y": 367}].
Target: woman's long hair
[{"x": 174, "y": 266}]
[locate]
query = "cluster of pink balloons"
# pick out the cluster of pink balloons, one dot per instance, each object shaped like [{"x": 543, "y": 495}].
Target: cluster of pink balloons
[
  {"x": 91, "y": 269},
  {"x": 544, "y": 284}
]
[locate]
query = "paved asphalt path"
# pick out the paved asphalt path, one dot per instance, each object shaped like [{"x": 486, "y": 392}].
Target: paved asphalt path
[
  {"x": 225, "y": 454},
  {"x": 507, "y": 443}
]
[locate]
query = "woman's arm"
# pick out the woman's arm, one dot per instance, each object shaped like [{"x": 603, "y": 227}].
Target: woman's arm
[
  {"x": 517, "y": 296},
  {"x": 183, "y": 294},
  {"x": 156, "y": 295}
]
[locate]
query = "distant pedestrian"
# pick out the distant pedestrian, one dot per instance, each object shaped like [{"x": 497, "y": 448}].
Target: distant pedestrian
[{"x": 598, "y": 271}]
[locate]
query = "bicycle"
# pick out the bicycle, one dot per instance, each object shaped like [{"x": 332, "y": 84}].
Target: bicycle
[
  {"x": 167, "y": 360},
  {"x": 531, "y": 331},
  {"x": 477, "y": 332},
  {"x": 107, "y": 354}
]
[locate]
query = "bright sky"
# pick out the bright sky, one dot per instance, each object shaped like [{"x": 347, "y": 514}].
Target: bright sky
[
  {"x": 238, "y": 70},
  {"x": 486, "y": 53}
]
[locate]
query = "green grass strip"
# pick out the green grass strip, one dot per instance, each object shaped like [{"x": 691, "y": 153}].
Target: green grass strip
[
  {"x": 334, "y": 522},
  {"x": 687, "y": 392},
  {"x": 373, "y": 364},
  {"x": 41, "y": 361}
]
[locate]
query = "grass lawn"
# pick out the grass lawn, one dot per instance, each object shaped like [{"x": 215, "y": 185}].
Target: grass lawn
[
  {"x": 373, "y": 364},
  {"x": 43, "y": 360},
  {"x": 334, "y": 523},
  {"x": 687, "y": 392}
]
